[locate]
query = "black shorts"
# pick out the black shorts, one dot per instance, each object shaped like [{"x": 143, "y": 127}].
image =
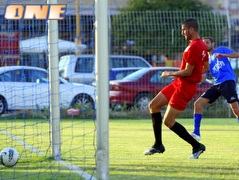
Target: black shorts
[{"x": 227, "y": 89}]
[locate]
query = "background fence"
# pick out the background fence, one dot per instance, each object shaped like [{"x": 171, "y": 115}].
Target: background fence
[
  {"x": 153, "y": 35},
  {"x": 156, "y": 36},
  {"x": 158, "y": 33}
]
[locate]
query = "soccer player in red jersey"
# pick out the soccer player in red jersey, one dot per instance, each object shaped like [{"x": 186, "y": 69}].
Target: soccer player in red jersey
[{"x": 177, "y": 94}]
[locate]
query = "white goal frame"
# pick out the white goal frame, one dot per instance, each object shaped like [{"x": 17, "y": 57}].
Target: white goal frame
[{"x": 102, "y": 88}]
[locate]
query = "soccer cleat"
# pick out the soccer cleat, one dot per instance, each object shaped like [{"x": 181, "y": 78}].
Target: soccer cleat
[
  {"x": 154, "y": 150},
  {"x": 196, "y": 152},
  {"x": 195, "y": 136}
]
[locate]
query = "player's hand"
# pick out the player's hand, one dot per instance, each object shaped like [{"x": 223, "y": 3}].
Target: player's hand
[
  {"x": 165, "y": 74},
  {"x": 219, "y": 55}
]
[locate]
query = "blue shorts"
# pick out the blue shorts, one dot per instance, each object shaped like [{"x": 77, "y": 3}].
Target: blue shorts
[{"x": 227, "y": 89}]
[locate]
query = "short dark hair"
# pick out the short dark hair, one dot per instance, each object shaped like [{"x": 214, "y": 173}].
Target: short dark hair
[
  {"x": 209, "y": 38},
  {"x": 191, "y": 23}
]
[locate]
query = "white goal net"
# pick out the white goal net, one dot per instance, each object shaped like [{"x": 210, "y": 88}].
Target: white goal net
[{"x": 30, "y": 121}]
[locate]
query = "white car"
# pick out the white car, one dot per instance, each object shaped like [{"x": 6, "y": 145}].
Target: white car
[
  {"x": 81, "y": 68},
  {"x": 25, "y": 87}
]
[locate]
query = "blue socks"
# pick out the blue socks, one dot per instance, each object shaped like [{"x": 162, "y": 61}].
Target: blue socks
[
  {"x": 197, "y": 122},
  {"x": 238, "y": 120}
]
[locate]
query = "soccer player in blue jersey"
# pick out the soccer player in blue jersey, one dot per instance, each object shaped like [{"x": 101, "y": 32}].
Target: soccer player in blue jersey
[{"x": 224, "y": 83}]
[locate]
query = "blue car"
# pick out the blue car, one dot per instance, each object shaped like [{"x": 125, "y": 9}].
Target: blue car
[{"x": 120, "y": 73}]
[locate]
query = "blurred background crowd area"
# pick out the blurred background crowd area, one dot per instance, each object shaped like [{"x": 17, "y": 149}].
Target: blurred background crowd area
[{"x": 151, "y": 29}]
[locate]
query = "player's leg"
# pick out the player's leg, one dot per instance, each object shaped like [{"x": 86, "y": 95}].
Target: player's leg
[
  {"x": 235, "y": 109},
  {"x": 177, "y": 104},
  {"x": 169, "y": 120},
  {"x": 154, "y": 108},
  {"x": 209, "y": 96},
  {"x": 198, "y": 109},
  {"x": 228, "y": 91},
  {"x": 157, "y": 103}
]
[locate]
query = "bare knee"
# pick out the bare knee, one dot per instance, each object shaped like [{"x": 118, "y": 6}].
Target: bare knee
[
  {"x": 150, "y": 107},
  {"x": 157, "y": 103},
  {"x": 199, "y": 104},
  {"x": 166, "y": 123},
  {"x": 169, "y": 123},
  {"x": 235, "y": 108},
  {"x": 153, "y": 107},
  {"x": 236, "y": 113}
]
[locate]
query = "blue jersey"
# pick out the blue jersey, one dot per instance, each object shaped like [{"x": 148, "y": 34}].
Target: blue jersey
[{"x": 221, "y": 68}]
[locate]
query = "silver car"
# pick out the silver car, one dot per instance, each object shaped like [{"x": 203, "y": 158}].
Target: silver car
[{"x": 81, "y": 68}]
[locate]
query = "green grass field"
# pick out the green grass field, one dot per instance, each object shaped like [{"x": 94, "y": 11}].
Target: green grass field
[{"x": 128, "y": 140}]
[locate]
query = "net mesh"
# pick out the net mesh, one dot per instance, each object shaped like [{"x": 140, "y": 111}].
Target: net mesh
[{"x": 153, "y": 35}]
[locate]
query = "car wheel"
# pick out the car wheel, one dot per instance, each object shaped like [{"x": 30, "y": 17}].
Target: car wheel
[
  {"x": 142, "y": 101},
  {"x": 83, "y": 101},
  {"x": 3, "y": 105}
]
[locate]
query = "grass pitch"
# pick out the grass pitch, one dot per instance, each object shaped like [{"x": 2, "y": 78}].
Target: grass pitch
[{"x": 128, "y": 140}]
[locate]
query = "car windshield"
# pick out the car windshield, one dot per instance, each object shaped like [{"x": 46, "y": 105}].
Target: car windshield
[
  {"x": 137, "y": 75},
  {"x": 84, "y": 65}
]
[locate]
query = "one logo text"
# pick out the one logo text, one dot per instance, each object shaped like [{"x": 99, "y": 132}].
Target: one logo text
[{"x": 36, "y": 11}]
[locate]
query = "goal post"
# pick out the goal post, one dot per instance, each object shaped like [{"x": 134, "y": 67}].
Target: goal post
[
  {"x": 102, "y": 88},
  {"x": 54, "y": 86}
]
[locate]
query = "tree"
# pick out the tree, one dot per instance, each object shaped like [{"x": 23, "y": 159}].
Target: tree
[
  {"x": 155, "y": 25},
  {"x": 166, "y": 5}
]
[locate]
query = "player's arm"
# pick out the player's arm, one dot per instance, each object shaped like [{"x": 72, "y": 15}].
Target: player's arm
[
  {"x": 232, "y": 55},
  {"x": 204, "y": 77},
  {"x": 181, "y": 73}
]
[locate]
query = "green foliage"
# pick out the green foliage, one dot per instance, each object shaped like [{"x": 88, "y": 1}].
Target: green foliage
[
  {"x": 155, "y": 25},
  {"x": 166, "y": 5}
]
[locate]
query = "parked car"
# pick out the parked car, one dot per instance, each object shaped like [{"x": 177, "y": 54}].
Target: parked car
[
  {"x": 25, "y": 87},
  {"x": 120, "y": 73},
  {"x": 138, "y": 88},
  {"x": 81, "y": 68}
]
